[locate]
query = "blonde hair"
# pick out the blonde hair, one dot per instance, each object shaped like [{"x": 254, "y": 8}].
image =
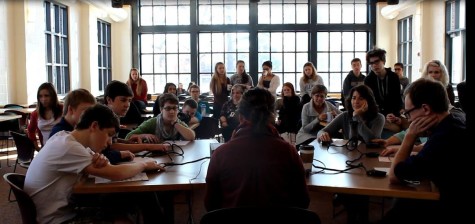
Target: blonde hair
[
  {"x": 130, "y": 81},
  {"x": 313, "y": 76},
  {"x": 217, "y": 80},
  {"x": 444, "y": 75}
]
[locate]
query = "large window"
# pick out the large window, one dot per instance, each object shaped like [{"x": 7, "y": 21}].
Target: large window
[
  {"x": 456, "y": 32},
  {"x": 104, "y": 53},
  {"x": 181, "y": 40},
  {"x": 57, "y": 46},
  {"x": 404, "y": 44}
]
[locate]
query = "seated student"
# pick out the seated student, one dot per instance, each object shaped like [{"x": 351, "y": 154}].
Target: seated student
[
  {"x": 256, "y": 167},
  {"x": 118, "y": 96},
  {"x": 189, "y": 113},
  {"x": 194, "y": 91},
  {"x": 426, "y": 105},
  {"x": 169, "y": 88},
  {"x": 315, "y": 112},
  {"x": 165, "y": 126},
  {"x": 229, "y": 114},
  {"x": 47, "y": 114},
  {"x": 362, "y": 109},
  {"x": 66, "y": 156}
]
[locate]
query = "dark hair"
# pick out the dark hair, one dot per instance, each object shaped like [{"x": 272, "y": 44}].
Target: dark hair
[
  {"x": 257, "y": 106},
  {"x": 191, "y": 103},
  {"x": 376, "y": 52},
  {"x": 168, "y": 97},
  {"x": 117, "y": 88},
  {"x": 291, "y": 86},
  {"x": 244, "y": 77},
  {"x": 165, "y": 90},
  {"x": 101, "y": 114},
  {"x": 356, "y": 60},
  {"x": 366, "y": 93},
  {"x": 55, "y": 106},
  {"x": 267, "y": 63},
  {"x": 194, "y": 86},
  {"x": 399, "y": 64},
  {"x": 430, "y": 92},
  {"x": 76, "y": 97}
]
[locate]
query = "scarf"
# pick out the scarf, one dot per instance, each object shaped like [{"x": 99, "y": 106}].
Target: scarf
[{"x": 160, "y": 131}]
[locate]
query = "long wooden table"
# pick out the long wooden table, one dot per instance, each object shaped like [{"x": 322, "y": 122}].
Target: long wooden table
[
  {"x": 192, "y": 175},
  {"x": 356, "y": 181}
]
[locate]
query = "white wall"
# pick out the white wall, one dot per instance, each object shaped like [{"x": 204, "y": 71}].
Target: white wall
[{"x": 22, "y": 38}]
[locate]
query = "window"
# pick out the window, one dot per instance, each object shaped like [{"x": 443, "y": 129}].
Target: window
[
  {"x": 57, "y": 46},
  {"x": 182, "y": 40},
  {"x": 404, "y": 43},
  {"x": 456, "y": 37},
  {"x": 104, "y": 53}
]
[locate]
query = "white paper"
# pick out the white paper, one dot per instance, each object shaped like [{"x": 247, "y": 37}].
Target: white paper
[
  {"x": 138, "y": 177},
  {"x": 385, "y": 169}
]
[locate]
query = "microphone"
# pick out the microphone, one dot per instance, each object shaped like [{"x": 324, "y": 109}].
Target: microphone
[{"x": 353, "y": 142}]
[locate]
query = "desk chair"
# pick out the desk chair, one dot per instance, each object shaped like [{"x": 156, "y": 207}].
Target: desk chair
[
  {"x": 5, "y": 137},
  {"x": 25, "y": 203},
  {"x": 261, "y": 215},
  {"x": 25, "y": 152}
]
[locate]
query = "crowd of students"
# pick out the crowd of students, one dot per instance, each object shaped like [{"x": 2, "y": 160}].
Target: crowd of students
[{"x": 80, "y": 136}]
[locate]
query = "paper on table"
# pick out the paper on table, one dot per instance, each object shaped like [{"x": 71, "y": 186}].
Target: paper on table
[
  {"x": 138, "y": 177},
  {"x": 389, "y": 159},
  {"x": 179, "y": 143},
  {"x": 385, "y": 169}
]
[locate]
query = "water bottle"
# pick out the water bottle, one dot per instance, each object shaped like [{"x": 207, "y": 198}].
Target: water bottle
[{"x": 203, "y": 109}]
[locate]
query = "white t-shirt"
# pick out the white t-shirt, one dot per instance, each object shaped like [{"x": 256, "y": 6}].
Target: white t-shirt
[{"x": 52, "y": 174}]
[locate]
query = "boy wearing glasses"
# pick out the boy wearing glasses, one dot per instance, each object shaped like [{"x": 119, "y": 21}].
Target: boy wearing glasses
[
  {"x": 165, "y": 126},
  {"x": 386, "y": 88},
  {"x": 427, "y": 107}
]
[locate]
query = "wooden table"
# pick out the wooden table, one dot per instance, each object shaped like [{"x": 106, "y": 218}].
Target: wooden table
[
  {"x": 23, "y": 110},
  {"x": 186, "y": 177},
  {"x": 356, "y": 181},
  {"x": 179, "y": 177}
]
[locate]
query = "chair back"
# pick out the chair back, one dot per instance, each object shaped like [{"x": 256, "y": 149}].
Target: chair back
[
  {"x": 12, "y": 105},
  {"x": 261, "y": 215},
  {"x": 208, "y": 128},
  {"x": 24, "y": 146},
  {"x": 25, "y": 203}
]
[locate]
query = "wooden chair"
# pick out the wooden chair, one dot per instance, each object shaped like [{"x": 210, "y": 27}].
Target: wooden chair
[
  {"x": 256, "y": 215},
  {"x": 25, "y": 203}
]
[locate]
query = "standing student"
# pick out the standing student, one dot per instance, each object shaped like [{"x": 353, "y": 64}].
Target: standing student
[
  {"x": 241, "y": 76},
  {"x": 269, "y": 80},
  {"x": 272, "y": 176},
  {"x": 220, "y": 86},
  {"x": 399, "y": 70},
  {"x": 139, "y": 88},
  {"x": 289, "y": 110},
  {"x": 47, "y": 114},
  {"x": 66, "y": 156},
  {"x": 309, "y": 79},
  {"x": 426, "y": 106},
  {"x": 355, "y": 77}
]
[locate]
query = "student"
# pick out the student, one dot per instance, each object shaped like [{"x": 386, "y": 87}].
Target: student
[
  {"x": 436, "y": 70},
  {"x": 314, "y": 112},
  {"x": 309, "y": 79},
  {"x": 229, "y": 114},
  {"x": 165, "y": 126},
  {"x": 118, "y": 97},
  {"x": 47, "y": 114},
  {"x": 256, "y": 167},
  {"x": 220, "y": 86},
  {"x": 362, "y": 109},
  {"x": 169, "y": 88},
  {"x": 195, "y": 95},
  {"x": 290, "y": 112},
  {"x": 139, "y": 88},
  {"x": 189, "y": 113},
  {"x": 426, "y": 106},
  {"x": 268, "y": 80},
  {"x": 399, "y": 70},
  {"x": 241, "y": 76},
  {"x": 355, "y": 77},
  {"x": 67, "y": 155},
  {"x": 386, "y": 89}
]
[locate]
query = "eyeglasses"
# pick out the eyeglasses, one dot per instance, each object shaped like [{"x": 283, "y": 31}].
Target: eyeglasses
[
  {"x": 407, "y": 113},
  {"x": 170, "y": 108},
  {"x": 374, "y": 62}
]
